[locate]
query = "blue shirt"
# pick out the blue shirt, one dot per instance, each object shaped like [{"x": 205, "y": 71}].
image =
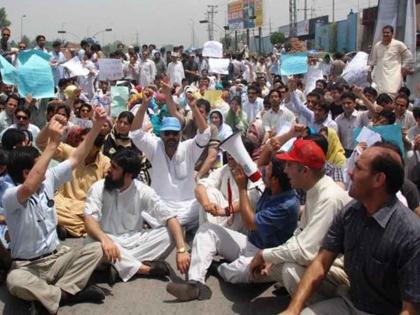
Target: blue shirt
[{"x": 276, "y": 219}]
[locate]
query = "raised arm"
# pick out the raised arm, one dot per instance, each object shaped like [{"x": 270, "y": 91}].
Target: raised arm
[
  {"x": 358, "y": 91},
  {"x": 247, "y": 214},
  {"x": 80, "y": 153},
  {"x": 37, "y": 174},
  {"x": 198, "y": 118},
  {"x": 138, "y": 119},
  {"x": 297, "y": 103},
  {"x": 172, "y": 106}
]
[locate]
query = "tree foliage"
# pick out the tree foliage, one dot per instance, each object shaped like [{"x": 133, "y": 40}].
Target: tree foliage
[
  {"x": 4, "y": 22},
  {"x": 277, "y": 38}
]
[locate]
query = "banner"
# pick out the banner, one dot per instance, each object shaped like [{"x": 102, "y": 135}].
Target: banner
[
  {"x": 356, "y": 71},
  {"x": 219, "y": 66},
  {"x": 110, "y": 69},
  {"x": 35, "y": 75},
  {"x": 213, "y": 49},
  {"x": 8, "y": 72},
  {"x": 120, "y": 95},
  {"x": 249, "y": 13},
  {"x": 235, "y": 15},
  {"x": 75, "y": 67},
  {"x": 259, "y": 13},
  {"x": 294, "y": 63}
]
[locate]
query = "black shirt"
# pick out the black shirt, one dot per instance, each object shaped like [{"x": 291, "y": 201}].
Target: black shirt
[{"x": 381, "y": 255}]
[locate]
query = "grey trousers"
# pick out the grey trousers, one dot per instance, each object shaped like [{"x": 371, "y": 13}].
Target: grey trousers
[{"x": 43, "y": 279}]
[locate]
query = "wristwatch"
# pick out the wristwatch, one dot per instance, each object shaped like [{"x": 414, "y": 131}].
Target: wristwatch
[{"x": 181, "y": 250}]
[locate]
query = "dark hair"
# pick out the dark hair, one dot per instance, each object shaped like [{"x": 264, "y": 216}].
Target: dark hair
[
  {"x": 337, "y": 86},
  {"x": 256, "y": 89},
  {"x": 416, "y": 112},
  {"x": 319, "y": 140},
  {"x": 99, "y": 140},
  {"x": 274, "y": 91},
  {"x": 387, "y": 164},
  {"x": 23, "y": 109},
  {"x": 66, "y": 108},
  {"x": 248, "y": 144},
  {"x": 127, "y": 115},
  {"x": 20, "y": 159},
  {"x": 128, "y": 160},
  {"x": 348, "y": 95},
  {"x": 388, "y": 115},
  {"x": 13, "y": 96},
  {"x": 237, "y": 99},
  {"x": 323, "y": 82},
  {"x": 84, "y": 43},
  {"x": 201, "y": 102},
  {"x": 11, "y": 137},
  {"x": 278, "y": 172},
  {"x": 324, "y": 106},
  {"x": 3, "y": 157},
  {"x": 389, "y": 27},
  {"x": 404, "y": 97},
  {"x": 315, "y": 94},
  {"x": 404, "y": 90},
  {"x": 370, "y": 90},
  {"x": 39, "y": 37},
  {"x": 56, "y": 43},
  {"x": 85, "y": 105},
  {"x": 383, "y": 98}
]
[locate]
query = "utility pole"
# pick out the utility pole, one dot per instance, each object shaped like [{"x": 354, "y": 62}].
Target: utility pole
[
  {"x": 333, "y": 11},
  {"x": 137, "y": 38},
  {"x": 292, "y": 18},
  {"x": 305, "y": 10},
  {"x": 210, "y": 17}
]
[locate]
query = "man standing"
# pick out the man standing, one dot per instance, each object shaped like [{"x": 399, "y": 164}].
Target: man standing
[
  {"x": 113, "y": 216},
  {"x": 175, "y": 69},
  {"x": 159, "y": 64},
  {"x": 389, "y": 63},
  {"x": 6, "y": 116},
  {"x": 324, "y": 198},
  {"x": 380, "y": 240},
  {"x": 40, "y": 42},
  {"x": 41, "y": 270},
  {"x": 173, "y": 161},
  {"x": 147, "y": 70},
  {"x": 57, "y": 59},
  {"x": 5, "y": 49}
]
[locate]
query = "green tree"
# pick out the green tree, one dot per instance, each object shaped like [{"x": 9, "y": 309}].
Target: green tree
[
  {"x": 4, "y": 22},
  {"x": 277, "y": 38}
]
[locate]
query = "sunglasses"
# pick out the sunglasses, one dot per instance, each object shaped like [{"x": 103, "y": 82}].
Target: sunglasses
[
  {"x": 85, "y": 110},
  {"x": 5, "y": 34},
  {"x": 19, "y": 117},
  {"x": 170, "y": 133},
  {"x": 251, "y": 93},
  {"x": 22, "y": 47}
]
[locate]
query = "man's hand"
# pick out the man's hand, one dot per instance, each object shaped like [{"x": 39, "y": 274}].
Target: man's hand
[
  {"x": 111, "y": 251},
  {"x": 99, "y": 116},
  {"x": 296, "y": 131},
  {"x": 291, "y": 84},
  {"x": 240, "y": 177},
  {"x": 358, "y": 91},
  {"x": 183, "y": 262},
  {"x": 147, "y": 97},
  {"x": 56, "y": 129},
  {"x": 257, "y": 263},
  {"x": 214, "y": 209}
]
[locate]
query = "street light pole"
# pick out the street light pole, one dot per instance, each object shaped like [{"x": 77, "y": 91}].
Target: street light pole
[{"x": 21, "y": 25}]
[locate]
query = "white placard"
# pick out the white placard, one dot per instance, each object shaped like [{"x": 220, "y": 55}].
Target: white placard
[
  {"x": 219, "y": 66},
  {"x": 110, "y": 69},
  {"x": 356, "y": 71},
  {"x": 82, "y": 123},
  {"x": 368, "y": 136},
  {"x": 314, "y": 74},
  {"x": 75, "y": 67},
  {"x": 213, "y": 49}
]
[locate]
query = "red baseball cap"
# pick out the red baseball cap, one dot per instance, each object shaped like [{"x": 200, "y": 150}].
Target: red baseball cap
[{"x": 305, "y": 152}]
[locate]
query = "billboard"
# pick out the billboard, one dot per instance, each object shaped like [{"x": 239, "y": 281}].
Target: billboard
[
  {"x": 235, "y": 15},
  {"x": 245, "y": 14}
]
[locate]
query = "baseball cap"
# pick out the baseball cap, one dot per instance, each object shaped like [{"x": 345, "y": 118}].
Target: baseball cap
[
  {"x": 170, "y": 124},
  {"x": 305, "y": 152}
]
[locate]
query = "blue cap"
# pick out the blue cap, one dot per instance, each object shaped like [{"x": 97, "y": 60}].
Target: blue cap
[{"x": 170, "y": 124}]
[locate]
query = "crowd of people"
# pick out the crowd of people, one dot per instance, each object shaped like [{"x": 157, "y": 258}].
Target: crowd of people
[{"x": 334, "y": 219}]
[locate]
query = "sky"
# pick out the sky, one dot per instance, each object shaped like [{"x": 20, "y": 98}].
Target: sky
[{"x": 151, "y": 21}]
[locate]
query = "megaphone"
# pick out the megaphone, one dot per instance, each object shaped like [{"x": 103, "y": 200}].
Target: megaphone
[{"x": 235, "y": 147}]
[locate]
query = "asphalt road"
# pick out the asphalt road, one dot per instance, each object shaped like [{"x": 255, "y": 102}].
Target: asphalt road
[{"x": 148, "y": 296}]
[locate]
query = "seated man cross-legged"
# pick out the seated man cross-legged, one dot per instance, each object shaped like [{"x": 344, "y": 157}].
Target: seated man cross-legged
[
  {"x": 271, "y": 224},
  {"x": 113, "y": 216}
]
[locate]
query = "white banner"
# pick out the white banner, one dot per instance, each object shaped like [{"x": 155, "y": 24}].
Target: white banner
[
  {"x": 110, "y": 69},
  {"x": 219, "y": 66},
  {"x": 75, "y": 67},
  {"x": 213, "y": 49},
  {"x": 356, "y": 71}
]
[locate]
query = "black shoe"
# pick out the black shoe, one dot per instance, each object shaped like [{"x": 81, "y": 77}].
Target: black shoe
[
  {"x": 37, "y": 308},
  {"x": 113, "y": 276},
  {"x": 187, "y": 291},
  {"x": 91, "y": 293},
  {"x": 158, "y": 268},
  {"x": 61, "y": 232}
]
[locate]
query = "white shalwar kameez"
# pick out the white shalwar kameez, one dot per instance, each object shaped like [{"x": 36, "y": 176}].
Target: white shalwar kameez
[
  {"x": 119, "y": 214},
  {"x": 173, "y": 179},
  {"x": 217, "y": 191}
]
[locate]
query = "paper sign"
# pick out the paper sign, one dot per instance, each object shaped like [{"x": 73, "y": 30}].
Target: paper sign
[
  {"x": 389, "y": 133},
  {"x": 213, "y": 96},
  {"x": 294, "y": 63},
  {"x": 219, "y": 66},
  {"x": 75, "y": 67},
  {"x": 213, "y": 49},
  {"x": 8, "y": 72},
  {"x": 119, "y": 96},
  {"x": 110, "y": 69},
  {"x": 356, "y": 72},
  {"x": 35, "y": 75},
  {"x": 314, "y": 74},
  {"x": 82, "y": 123},
  {"x": 368, "y": 136},
  {"x": 282, "y": 128}
]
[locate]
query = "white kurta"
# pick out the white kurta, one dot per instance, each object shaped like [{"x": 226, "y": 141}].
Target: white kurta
[
  {"x": 388, "y": 61},
  {"x": 147, "y": 72},
  {"x": 173, "y": 179},
  {"x": 120, "y": 216}
]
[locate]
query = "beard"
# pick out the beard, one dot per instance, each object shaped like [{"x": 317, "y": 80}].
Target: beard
[
  {"x": 111, "y": 184},
  {"x": 171, "y": 144}
]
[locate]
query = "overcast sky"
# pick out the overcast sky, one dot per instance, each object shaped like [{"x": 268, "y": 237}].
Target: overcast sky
[{"x": 155, "y": 21}]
